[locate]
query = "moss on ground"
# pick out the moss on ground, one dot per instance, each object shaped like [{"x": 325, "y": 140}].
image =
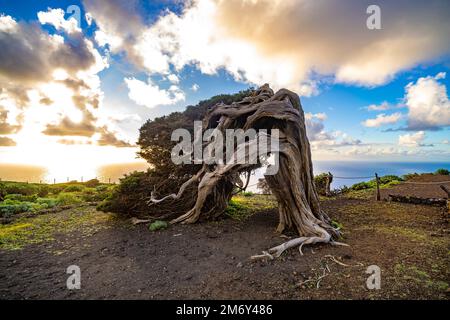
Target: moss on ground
[
  {"x": 420, "y": 277},
  {"x": 241, "y": 207},
  {"x": 42, "y": 228}
]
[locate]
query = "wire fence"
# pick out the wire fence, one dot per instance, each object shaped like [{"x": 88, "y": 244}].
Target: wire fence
[
  {"x": 376, "y": 177},
  {"x": 104, "y": 180},
  {"x": 407, "y": 182},
  {"x": 353, "y": 178}
]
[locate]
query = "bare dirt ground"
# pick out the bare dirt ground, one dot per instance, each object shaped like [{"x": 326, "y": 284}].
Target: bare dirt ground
[
  {"x": 426, "y": 187},
  {"x": 410, "y": 243}
]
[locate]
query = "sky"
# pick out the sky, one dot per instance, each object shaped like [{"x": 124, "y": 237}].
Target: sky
[{"x": 79, "y": 78}]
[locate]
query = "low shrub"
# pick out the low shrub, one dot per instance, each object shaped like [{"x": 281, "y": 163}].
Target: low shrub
[
  {"x": 21, "y": 197},
  {"x": 388, "y": 179},
  {"x": 73, "y": 188},
  {"x": 320, "y": 181},
  {"x": 56, "y": 189},
  {"x": 7, "y": 210},
  {"x": 2, "y": 191},
  {"x": 12, "y": 207},
  {"x": 67, "y": 199},
  {"x": 131, "y": 195},
  {"x": 92, "y": 183},
  {"x": 158, "y": 225},
  {"x": 101, "y": 188},
  {"x": 361, "y": 186},
  {"x": 385, "y": 181},
  {"x": 43, "y": 190},
  {"x": 96, "y": 194},
  {"x": 442, "y": 171},
  {"x": 21, "y": 188},
  {"x": 48, "y": 202}
]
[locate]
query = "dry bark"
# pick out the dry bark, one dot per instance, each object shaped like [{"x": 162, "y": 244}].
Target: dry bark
[{"x": 293, "y": 184}]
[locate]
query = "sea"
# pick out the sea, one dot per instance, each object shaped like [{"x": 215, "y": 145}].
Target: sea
[{"x": 345, "y": 172}]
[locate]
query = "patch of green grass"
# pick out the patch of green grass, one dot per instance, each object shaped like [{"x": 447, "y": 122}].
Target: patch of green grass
[
  {"x": 337, "y": 225},
  {"x": 411, "y": 233},
  {"x": 242, "y": 207},
  {"x": 257, "y": 202},
  {"x": 365, "y": 189},
  {"x": 158, "y": 225},
  {"x": 68, "y": 199},
  {"x": 237, "y": 210},
  {"x": 18, "y": 197},
  {"x": 363, "y": 194},
  {"x": 421, "y": 277},
  {"x": 42, "y": 228}
]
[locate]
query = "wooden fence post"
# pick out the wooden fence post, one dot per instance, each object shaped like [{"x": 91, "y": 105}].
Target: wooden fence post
[
  {"x": 328, "y": 184},
  {"x": 378, "y": 196}
]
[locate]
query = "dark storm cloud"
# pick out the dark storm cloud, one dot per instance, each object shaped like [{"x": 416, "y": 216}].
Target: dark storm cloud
[{"x": 30, "y": 55}]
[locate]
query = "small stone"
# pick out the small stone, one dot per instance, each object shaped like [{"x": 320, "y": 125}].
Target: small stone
[{"x": 239, "y": 265}]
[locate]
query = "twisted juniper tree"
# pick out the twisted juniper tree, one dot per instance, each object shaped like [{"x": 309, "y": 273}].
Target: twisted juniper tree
[{"x": 212, "y": 185}]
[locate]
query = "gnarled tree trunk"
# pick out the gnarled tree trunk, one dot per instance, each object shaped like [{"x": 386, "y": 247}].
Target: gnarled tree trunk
[{"x": 293, "y": 184}]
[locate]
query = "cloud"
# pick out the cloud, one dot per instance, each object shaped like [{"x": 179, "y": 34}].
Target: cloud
[
  {"x": 285, "y": 42},
  {"x": 107, "y": 138},
  {"x": 29, "y": 55},
  {"x": 150, "y": 95},
  {"x": 195, "y": 87},
  {"x": 67, "y": 127},
  {"x": 428, "y": 104},
  {"x": 412, "y": 140},
  {"x": 119, "y": 25},
  {"x": 173, "y": 78},
  {"x": 58, "y": 72},
  {"x": 5, "y": 126},
  {"x": 71, "y": 142},
  {"x": 315, "y": 127},
  {"x": 7, "y": 142},
  {"x": 320, "y": 138},
  {"x": 55, "y": 17},
  {"x": 382, "y": 119},
  {"x": 121, "y": 117},
  {"x": 380, "y": 107}
]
